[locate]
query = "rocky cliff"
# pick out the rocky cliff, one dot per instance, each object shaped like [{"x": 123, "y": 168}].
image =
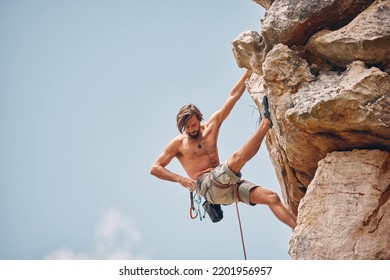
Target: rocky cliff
[{"x": 324, "y": 66}]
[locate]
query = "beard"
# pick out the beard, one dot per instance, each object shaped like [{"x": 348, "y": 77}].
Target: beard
[{"x": 195, "y": 134}]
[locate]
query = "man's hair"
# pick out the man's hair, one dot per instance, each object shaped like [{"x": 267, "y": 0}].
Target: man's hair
[{"x": 185, "y": 113}]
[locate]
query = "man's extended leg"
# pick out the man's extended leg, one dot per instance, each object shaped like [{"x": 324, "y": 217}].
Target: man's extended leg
[
  {"x": 250, "y": 148},
  {"x": 246, "y": 152},
  {"x": 261, "y": 195}
]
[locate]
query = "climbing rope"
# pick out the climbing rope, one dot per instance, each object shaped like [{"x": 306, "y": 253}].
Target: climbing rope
[
  {"x": 198, "y": 200},
  {"x": 239, "y": 219}
]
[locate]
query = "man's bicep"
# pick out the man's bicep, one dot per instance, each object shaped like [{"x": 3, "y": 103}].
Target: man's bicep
[
  {"x": 164, "y": 159},
  {"x": 219, "y": 116},
  {"x": 167, "y": 155}
]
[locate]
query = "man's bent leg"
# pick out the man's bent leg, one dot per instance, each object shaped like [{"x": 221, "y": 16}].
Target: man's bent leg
[
  {"x": 261, "y": 195},
  {"x": 250, "y": 148}
]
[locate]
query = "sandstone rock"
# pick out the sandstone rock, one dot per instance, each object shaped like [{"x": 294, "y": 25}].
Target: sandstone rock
[
  {"x": 264, "y": 3},
  {"x": 250, "y": 49},
  {"x": 293, "y": 22},
  {"x": 345, "y": 213},
  {"x": 324, "y": 104},
  {"x": 366, "y": 38},
  {"x": 284, "y": 73},
  {"x": 345, "y": 106},
  {"x": 312, "y": 117}
]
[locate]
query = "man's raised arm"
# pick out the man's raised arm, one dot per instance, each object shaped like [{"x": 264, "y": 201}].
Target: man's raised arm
[{"x": 234, "y": 96}]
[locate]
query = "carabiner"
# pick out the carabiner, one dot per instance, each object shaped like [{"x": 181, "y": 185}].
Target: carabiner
[{"x": 192, "y": 209}]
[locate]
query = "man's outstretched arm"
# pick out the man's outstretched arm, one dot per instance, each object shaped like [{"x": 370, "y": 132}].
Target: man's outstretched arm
[
  {"x": 158, "y": 168},
  {"x": 234, "y": 96}
]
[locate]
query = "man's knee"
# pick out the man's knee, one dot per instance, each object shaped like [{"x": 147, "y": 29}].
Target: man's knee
[
  {"x": 235, "y": 162},
  {"x": 273, "y": 198},
  {"x": 260, "y": 195}
]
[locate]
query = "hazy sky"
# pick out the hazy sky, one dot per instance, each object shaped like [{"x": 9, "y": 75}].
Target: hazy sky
[{"x": 89, "y": 92}]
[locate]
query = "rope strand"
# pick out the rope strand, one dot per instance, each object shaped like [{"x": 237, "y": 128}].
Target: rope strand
[{"x": 239, "y": 220}]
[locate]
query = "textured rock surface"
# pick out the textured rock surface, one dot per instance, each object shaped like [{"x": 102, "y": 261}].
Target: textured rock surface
[
  {"x": 366, "y": 38},
  {"x": 250, "y": 50},
  {"x": 345, "y": 212},
  {"x": 293, "y": 22},
  {"x": 330, "y": 106},
  {"x": 284, "y": 73},
  {"x": 347, "y": 105},
  {"x": 265, "y": 3}
]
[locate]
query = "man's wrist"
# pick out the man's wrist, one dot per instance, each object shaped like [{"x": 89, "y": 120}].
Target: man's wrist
[{"x": 178, "y": 179}]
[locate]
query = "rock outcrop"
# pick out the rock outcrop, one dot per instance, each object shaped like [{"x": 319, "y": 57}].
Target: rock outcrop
[
  {"x": 366, "y": 38},
  {"x": 265, "y": 3},
  {"x": 324, "y": 66},
  {"x": 344, "y": 212},
  {"x": 293, "y": 22},
  {"x": 250, "y": 50}
]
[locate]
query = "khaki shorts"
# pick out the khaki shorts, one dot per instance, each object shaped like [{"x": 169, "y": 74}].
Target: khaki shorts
[{"x": 218, "y": 186}]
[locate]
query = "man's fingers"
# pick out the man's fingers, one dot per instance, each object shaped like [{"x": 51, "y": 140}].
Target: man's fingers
[{"x": 192, "y": 186}]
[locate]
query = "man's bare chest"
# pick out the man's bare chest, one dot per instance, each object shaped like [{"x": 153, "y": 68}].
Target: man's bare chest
[{"x": 199, "y": 147}]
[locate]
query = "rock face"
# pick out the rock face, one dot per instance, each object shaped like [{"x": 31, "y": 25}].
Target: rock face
[
  {"x": 358, "y": 183},
  {"x": 324, "y": 66},
  {"x": 366, "y": 38},
  {"x": 293, "y": 22},
  {"x": 250, "y": 50},
  {"x": 265, "y": 3}
]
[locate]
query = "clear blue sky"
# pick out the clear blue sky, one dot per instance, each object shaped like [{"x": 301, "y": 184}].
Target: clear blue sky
[{"x": 89, "y": 92}]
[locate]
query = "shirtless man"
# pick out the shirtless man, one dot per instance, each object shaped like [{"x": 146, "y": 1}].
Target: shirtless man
[{"x": 197, "y": 151}]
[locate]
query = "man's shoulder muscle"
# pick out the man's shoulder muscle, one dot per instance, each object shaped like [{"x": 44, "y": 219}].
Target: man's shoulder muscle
[
  {"x": 175, "y": 145},
  {"x": 212, "y": 125}
]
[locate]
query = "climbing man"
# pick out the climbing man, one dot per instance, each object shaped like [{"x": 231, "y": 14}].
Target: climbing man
[{"x": 196, "y": 149}]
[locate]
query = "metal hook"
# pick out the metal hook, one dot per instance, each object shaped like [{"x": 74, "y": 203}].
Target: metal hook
[{"x": 192, "y": 210}]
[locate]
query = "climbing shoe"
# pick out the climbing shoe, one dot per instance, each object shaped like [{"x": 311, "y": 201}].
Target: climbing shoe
[{"x": 266, "y": 112}]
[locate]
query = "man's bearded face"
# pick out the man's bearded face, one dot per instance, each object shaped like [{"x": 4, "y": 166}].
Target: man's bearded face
[{"x": 192, "y": 127}]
